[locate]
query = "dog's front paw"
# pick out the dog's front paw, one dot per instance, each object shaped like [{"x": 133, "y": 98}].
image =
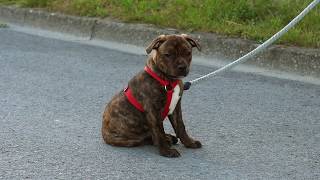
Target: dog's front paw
[
  {"x": 193, "y": 144},
  {"x": 172, "y": 153}
]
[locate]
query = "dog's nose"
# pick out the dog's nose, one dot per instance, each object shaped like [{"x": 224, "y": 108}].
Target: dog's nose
[{"x": 182, "y": 67}]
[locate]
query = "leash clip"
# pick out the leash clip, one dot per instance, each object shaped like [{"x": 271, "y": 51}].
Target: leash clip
[{"x": 165, "y": 88}]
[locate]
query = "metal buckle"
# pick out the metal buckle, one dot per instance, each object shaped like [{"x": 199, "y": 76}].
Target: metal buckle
[{"x": 165, "y": 88}]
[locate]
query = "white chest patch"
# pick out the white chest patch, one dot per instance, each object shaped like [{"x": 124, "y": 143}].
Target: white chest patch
[{"x": 175, "y": 99}]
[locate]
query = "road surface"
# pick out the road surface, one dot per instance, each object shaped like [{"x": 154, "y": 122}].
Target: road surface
[{"x": 53, "y": 93}]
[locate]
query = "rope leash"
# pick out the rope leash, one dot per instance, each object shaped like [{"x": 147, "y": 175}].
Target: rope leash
[{"x": 257, "y": 50}]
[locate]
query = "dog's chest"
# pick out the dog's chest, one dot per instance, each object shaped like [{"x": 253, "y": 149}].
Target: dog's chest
[{"x": 175, "y": 98}]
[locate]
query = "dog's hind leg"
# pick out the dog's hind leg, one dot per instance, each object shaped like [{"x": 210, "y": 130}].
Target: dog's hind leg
[
  {"x": 131, "y": 140},
  {"x": 122, "y": 141},
  {"x": 171, "y": 139}
]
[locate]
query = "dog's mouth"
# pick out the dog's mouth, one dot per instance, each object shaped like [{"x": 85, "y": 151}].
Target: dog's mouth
[{"x": 176, "y": 77}]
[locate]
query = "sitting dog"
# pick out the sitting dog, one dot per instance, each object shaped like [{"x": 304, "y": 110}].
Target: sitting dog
[{"x": 135, "y": 115}]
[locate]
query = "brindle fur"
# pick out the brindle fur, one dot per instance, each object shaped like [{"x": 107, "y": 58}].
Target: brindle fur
[{"x": 124, "y": 125}]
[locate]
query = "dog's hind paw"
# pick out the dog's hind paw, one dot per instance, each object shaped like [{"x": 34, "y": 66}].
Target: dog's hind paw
[
  {"x": 171, "y": 139},
  {"x": 172, "y": 153},
  {"x": 194, "y": 145}
]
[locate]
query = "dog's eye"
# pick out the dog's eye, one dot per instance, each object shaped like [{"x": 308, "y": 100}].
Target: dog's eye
[{"x": 167, "y": 55}]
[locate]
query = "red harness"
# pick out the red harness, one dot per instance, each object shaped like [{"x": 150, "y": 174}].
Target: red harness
[{"x": 164, "y": 83}]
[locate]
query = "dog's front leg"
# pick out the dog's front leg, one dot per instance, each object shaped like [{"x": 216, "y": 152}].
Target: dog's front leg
[
  {"x": 179, "y": 128},
  {"x": 159, "y": 136}
]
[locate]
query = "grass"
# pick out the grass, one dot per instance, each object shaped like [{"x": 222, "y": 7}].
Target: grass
[
  {"x": 249, "y": 19},
  {"x": 3, "y": 25}
]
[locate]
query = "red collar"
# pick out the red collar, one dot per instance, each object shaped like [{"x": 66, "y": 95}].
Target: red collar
[{"x": 164, "y": 83}]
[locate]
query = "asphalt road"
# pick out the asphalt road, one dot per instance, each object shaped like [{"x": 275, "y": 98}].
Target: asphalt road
[{"x": 53, "y": 93}]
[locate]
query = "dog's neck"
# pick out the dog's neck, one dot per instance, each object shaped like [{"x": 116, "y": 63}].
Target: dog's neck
[{"x": 151, "y": 64}]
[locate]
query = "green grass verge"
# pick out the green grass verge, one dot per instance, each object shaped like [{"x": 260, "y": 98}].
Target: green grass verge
[
  {"x": 3, "y": 25},
  {"x": 249, "y": 19}
]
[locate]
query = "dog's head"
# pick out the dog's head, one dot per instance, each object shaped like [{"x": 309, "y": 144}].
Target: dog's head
[{"x": 172, "y": 54}]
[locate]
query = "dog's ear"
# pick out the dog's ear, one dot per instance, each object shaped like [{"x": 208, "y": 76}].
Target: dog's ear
[
  {"x": 193, "y": 42},
  {"x": 156, "y": 43}
]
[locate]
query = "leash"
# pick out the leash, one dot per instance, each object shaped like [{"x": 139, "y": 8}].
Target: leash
[{"x": 257, "y": 50}]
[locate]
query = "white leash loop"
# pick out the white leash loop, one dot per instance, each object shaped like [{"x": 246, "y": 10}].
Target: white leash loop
[{"x": 258, "y": 49}]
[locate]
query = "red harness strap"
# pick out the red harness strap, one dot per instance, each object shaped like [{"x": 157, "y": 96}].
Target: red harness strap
[
  {"x": 133, "y": 100},
  {"x": 163, "y": 83}
]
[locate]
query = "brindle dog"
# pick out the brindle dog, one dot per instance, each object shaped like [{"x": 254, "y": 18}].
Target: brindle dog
[{"x": 124, "y": 125}]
